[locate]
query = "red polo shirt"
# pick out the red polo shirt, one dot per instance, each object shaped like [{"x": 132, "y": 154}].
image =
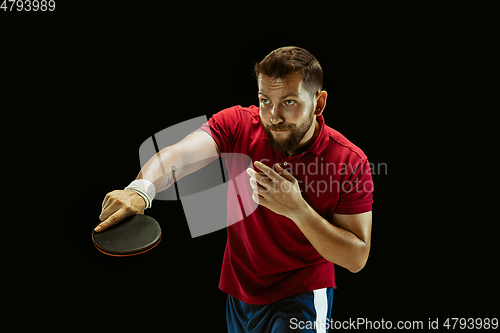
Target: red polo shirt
[{"x": 267, "y": 257}]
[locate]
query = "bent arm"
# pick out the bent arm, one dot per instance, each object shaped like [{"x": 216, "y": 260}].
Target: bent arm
[
  {"x": 189, "y": 155},
  {"x": 346, "y": 242}
]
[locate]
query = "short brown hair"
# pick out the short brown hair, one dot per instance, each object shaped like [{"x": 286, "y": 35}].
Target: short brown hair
[{"x": 292, "y": 59}]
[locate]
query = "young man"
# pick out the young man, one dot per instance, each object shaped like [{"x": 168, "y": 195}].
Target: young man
[{"x": 313, "y": 187}]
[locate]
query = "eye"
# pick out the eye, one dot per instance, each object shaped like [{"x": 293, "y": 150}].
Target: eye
[
  {"x": 266, "y": 101},
  {"x": 290, "y": 102}
]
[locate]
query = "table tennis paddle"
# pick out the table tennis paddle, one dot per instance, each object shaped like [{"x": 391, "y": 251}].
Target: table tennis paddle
[{"x": 136, "y": 234}]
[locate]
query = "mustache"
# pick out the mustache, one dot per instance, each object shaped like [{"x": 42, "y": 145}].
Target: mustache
[{"x": 280, "y": 127}]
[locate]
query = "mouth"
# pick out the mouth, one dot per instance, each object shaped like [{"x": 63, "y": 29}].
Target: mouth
[{"x": 280, "y": 129}]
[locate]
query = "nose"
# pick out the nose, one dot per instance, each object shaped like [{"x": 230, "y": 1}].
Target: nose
[{"x": 276, "y": 117}]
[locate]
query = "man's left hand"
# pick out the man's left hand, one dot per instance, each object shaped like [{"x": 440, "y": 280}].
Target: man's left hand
[{"x": 279, "y": 193}]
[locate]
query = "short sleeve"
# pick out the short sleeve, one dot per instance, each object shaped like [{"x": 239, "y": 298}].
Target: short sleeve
[
  {"x": 356, "y": 191},
  {"x": 223, "y": 128}
]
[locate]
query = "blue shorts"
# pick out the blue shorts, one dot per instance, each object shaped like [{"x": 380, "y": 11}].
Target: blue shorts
[{"x": 307, "y": 312}]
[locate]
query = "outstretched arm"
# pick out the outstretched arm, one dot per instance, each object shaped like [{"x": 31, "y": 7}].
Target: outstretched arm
[{"x": 189, "y": 155}]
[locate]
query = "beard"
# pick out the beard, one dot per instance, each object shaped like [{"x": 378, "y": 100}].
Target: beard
[{"x": 291, "y": 138}]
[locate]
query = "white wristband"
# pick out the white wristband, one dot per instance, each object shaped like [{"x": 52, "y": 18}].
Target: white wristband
[{"x": 145, "y": 189}]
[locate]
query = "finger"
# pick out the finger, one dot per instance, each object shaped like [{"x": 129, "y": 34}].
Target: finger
[
  {"x": 105, "y": 202},
  {"x": 113, "y": 219},
  {"x": 253, "y": 184},
  {"x": 106, "y": 213},
  {"x": 260, "y": 190},
  {"x": 284, "y": 173},
  {"x": 268, "y": 171},
  {"x": 258, "y": 199},
  {"x": 108, "y": 210},
  {"x": 263, "y": 181},
  {"x": 108, "y": 199}
]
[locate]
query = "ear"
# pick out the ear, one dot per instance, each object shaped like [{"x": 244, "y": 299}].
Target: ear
[{"x": 320, "y": 102}]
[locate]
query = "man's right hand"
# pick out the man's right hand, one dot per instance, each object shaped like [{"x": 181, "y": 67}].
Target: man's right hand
[{"x": 118, "y": 205}]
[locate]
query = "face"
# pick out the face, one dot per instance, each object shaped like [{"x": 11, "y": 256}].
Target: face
[{"x": 287, "y": 111}]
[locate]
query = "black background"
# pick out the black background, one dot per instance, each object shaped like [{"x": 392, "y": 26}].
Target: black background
[{"x": 96, "y": 82}]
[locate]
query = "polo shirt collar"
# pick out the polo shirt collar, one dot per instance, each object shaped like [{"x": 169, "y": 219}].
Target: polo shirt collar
[{"x": 322, "y": 140}]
